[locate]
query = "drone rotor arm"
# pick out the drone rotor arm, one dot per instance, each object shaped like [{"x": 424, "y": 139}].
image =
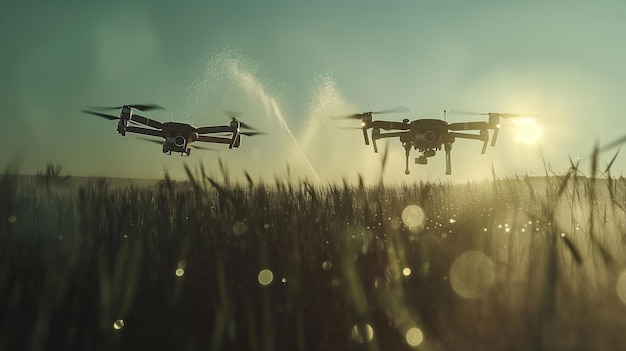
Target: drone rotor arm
[
  {"x": 212, "y": 139},
  {"x": 146, "y": 121},
  {"x": 389, "y": 125},
  {"x": 216, "y": 129},
  {"x": 144, "y": 131},
  {"x": 468, "y": 126},
  {"x": 483, "y": 136}
]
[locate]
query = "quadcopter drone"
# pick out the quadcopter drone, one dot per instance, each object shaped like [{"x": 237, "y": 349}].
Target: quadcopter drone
[
  {"x": 177, "y": 137},
  {"x": 429, "y": 135}
]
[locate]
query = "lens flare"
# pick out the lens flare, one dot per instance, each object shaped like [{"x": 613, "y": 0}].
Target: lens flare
[{"x": 528, "y": 131}]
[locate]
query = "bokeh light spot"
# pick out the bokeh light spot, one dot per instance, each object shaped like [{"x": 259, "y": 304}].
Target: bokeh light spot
[
  {"x": 362, "y": 333},
  {"x": 406, "y": 271},
  {"x": 118, "y": 324},
  {"x": 472, "y": 274},
  {"x": 239, "y": 228},
  {"x": 327, "y": 265},
  {"x": 12, "y": 219},
  {"x": 414, "y": 336},
  {"x": 266, "y": 277},
  {"x": 413, "y": 217},
  {"x": 180, "y": 272}
]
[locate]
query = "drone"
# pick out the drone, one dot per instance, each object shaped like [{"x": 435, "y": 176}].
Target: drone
[
  {"x": 429, "y": 135},
  {"x": 177, "y": 136}
]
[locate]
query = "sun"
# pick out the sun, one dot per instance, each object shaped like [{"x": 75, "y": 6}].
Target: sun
[{"x": 528, "y": 131}]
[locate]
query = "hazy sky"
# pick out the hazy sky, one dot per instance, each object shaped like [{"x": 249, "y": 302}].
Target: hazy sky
[{"x": 303, "y": 62}]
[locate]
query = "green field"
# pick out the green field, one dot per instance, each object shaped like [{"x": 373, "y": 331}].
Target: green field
[{"x": 532, "y": 263}]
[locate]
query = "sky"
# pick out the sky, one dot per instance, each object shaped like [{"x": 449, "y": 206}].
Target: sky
[{"x": 287, "y": 66}]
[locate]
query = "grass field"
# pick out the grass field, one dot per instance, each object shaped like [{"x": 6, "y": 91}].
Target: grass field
[{"x": 510, "y": 264}]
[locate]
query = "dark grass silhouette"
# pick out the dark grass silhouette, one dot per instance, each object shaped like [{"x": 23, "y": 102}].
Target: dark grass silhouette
[{"x": 177, "y": 265}]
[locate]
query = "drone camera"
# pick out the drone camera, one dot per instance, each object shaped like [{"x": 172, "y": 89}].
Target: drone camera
[
  {"x": 422, "y": 160},
  {"x": 179, "y": 140}
]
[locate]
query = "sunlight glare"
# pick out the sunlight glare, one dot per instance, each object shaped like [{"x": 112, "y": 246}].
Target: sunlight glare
[{"x": 528, "y": 131}]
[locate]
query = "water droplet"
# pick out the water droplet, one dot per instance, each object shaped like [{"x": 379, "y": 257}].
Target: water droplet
[
  {"x": 327, "y": 265},
  {"x": 472, "y": 274},
  {"x": 180, "y": 272},
  {"x": 182, "y": 264},
  {"x": 452, "y": 220},
  {"x": 12, "y": 219},
  {"x": 118, "y": 324},
  {"x": 414, "y": 337},
  {"x": 266, "y": 226},
  {"x": 362, "y": 333},
  {"x": 265, "y": 277}
]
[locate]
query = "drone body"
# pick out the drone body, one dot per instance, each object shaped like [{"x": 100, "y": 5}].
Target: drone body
[
  {"x": 177, "y": 136},
  {"x": 428, "y": 136}
]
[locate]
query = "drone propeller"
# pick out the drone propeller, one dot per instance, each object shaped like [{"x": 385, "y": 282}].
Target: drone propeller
[
  {"x": 370, "y": 113},
  {"x": 244, "y": 125},
  {"x": 490, "y": 114},
  {"x": 251, "y": 133},
  {"x": 104, "y": 115},
  {"x": 234, "y": 116},
  {"x": 142, "y": 107},
  {"x": 468, "y": 113}
]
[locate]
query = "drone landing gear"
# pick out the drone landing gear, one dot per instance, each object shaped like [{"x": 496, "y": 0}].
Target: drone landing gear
[
  {"x": 166, "y": 150},
  {"x": 448, "y": 148},
  {"x": 121, "y": 128},
  {"x": 407, "y": 150}
]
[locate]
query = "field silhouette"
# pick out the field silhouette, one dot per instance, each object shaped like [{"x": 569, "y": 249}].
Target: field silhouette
[{"x": 529, "y": 263}]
